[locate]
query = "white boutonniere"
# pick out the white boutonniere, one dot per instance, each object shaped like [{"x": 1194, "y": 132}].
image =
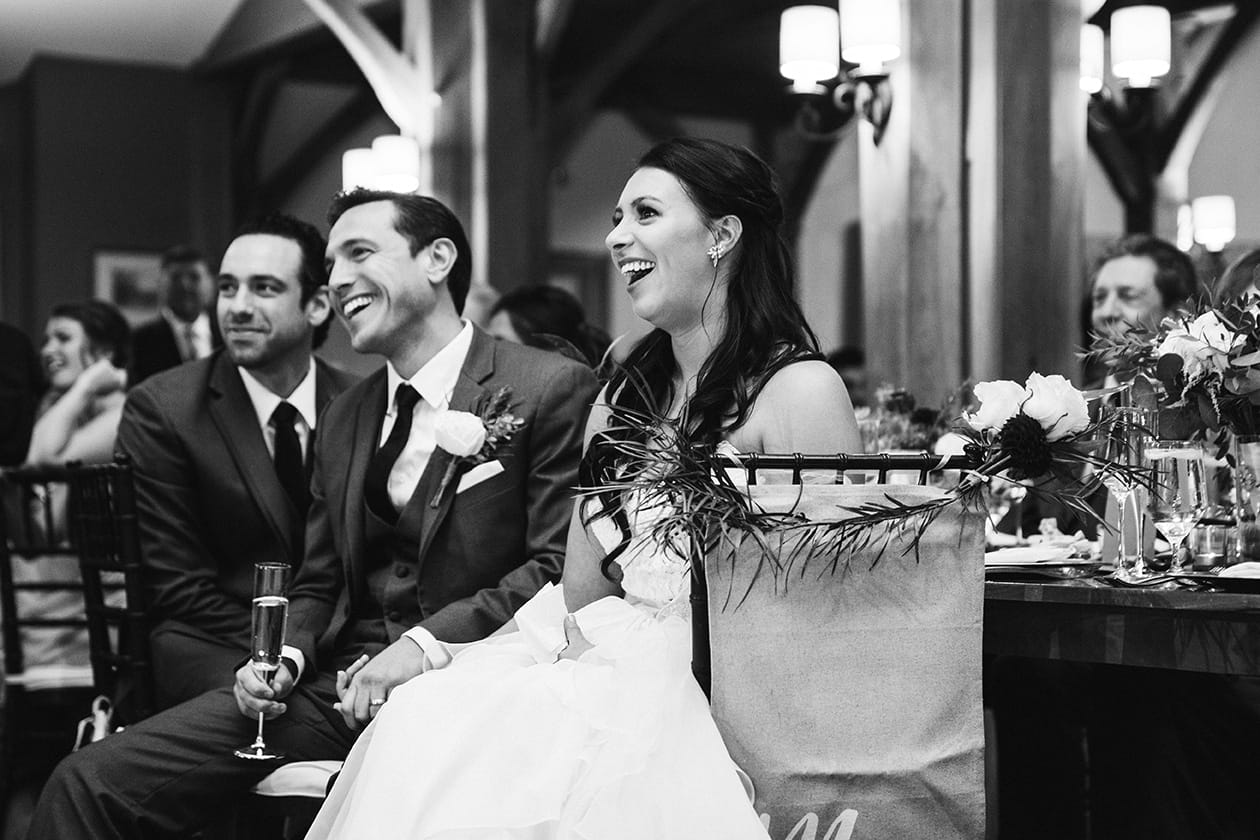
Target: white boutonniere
[{"x": 474, "y": 438}]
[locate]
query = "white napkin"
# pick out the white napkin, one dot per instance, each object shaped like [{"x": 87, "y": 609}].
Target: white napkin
[{"x": 1029, "y": 555}]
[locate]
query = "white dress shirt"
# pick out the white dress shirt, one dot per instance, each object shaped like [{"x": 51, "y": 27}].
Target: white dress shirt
[
  {"x": 265, "y": 402},
  {"x": 434, "y": 383},
  {"x": 193, "y": 339}
]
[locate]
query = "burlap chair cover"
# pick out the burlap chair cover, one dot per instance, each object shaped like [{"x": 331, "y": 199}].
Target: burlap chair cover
[{"x": 853, "y": 698}]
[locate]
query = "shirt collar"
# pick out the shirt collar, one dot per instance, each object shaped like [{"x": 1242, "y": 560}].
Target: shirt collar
[
  {"x": 265, "y": 401},
  {"x": 436, "y": 380}
]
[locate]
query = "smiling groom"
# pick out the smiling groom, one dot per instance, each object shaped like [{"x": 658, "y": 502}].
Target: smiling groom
[{"x": 397, "y": 555}]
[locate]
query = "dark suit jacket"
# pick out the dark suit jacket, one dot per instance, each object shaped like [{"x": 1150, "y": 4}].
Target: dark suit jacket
[
  {"x": 483, "y": 552},
  {"x": 209, "y": 502},
  {"x": 20, "y": 385},
  {"x": 154, "y": 349}
]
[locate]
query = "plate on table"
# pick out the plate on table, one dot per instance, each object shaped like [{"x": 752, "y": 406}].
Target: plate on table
[
  {"x": 1222, "y": 582},
  {"x": 1038, "y": 561}
]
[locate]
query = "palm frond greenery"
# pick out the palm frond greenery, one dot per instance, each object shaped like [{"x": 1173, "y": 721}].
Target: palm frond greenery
[{"x": 701, "y": 504}]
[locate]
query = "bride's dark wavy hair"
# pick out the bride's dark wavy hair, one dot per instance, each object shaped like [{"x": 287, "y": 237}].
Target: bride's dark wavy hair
[{"x": 765, "y": 328}]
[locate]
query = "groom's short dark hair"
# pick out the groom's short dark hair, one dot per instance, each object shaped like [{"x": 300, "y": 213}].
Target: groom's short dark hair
[{"x": 421, "y": 219}]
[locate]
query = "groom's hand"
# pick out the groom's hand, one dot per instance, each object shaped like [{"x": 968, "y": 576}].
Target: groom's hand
[
  {"x": 369, "y": 687},
  {"x": 254, "y": 696}
]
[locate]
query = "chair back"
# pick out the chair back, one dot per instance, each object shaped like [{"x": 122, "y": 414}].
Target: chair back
[
  {"x": 103, "y": 504},
  {"x": 85, "y": 514},
  {"x": 849, "y": 686},
  {"x": 40, "y": 589}
]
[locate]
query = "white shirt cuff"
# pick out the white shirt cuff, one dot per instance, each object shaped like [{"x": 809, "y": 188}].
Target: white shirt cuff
[
  {"x": 435, "y": 653},
  {"x": 296, "y": 655}
]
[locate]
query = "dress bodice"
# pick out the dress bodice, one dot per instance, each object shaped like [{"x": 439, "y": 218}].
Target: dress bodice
[{"x": 653, "y": 575}]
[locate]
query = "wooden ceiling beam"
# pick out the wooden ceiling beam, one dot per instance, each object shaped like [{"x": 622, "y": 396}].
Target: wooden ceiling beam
[
  {"x": 273, "y": 190},
  {"x": 573, "y": 110}
]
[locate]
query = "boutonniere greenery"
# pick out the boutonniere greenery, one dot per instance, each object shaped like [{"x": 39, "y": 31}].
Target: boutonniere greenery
[{"x": 473, "y": 437}]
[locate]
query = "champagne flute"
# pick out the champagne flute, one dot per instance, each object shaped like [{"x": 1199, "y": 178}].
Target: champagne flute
[
  {"x": 1178, "y": 492},
  {"x": 271, "y": 611}
]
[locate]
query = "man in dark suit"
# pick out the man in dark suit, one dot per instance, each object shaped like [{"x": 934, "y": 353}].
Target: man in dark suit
[
  {"x": 204, "y": 443},
  {"x": 398, "y": 557},
  {"x": 183, "y": 330}
]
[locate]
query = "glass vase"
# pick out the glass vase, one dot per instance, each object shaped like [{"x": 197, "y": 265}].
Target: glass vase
[{"x": 1247, "y": 498}]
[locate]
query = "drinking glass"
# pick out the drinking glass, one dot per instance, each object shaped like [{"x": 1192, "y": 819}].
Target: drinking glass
[
  {"x": 1114, "y": 443},
  {"x": 271, "y": 611},
  {"x": 1178, "y": 492}
]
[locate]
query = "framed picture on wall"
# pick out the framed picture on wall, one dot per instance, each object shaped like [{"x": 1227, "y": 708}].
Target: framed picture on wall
[
  {"x": 584, "y": 275},
  {"x": 131, "y": 280}
]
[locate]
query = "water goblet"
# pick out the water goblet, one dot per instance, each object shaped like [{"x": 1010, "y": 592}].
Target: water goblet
[
  {"x": 271, "y": 611},
  {"x": 1178, "y": 492}
]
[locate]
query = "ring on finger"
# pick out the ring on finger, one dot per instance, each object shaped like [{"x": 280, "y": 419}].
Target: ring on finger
[{"x": 379, "y": 701}]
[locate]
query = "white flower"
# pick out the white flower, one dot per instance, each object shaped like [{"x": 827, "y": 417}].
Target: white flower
[
  {"x": 459, "y": 433},
  {"x": 1056, "y": 405},
  {"x": 999, "y": 401},
  {"x": 1209, "y": 329}
]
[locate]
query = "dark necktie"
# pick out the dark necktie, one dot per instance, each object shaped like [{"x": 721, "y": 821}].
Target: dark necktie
[
  {"x": 290, "y": 465},
  {"x": 376, "y": 481}
]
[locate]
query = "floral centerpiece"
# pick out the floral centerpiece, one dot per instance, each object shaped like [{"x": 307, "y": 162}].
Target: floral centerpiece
[
  {"x": 1206, "y": 365},
  {"x": 1039, "y": 432}
]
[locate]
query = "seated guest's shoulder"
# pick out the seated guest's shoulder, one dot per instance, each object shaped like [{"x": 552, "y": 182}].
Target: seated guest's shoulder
[
  {"x": 539, "y": 364},
  {"x": 806, "y": 377},
  {"x": 169, "y": 384}
]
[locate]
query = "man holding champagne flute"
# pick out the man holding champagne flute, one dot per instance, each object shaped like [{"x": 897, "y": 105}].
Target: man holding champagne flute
[{"x": 412, "y": 539}]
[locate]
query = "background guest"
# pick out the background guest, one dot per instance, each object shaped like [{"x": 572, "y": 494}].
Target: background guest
[
  {"x": 20, "y": 387},
  {"x": 84, "y": 357},
  {"x": 184, "y": 330},
  {"x": 550, "y": 318},
  {"x": 1137, "y": 281}
]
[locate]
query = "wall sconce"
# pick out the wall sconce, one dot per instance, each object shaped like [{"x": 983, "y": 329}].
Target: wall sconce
[
  {"x": 392, "y": 163},
  {"x": 1213, "y": 217},
  {"x": 812, "y": 39}
]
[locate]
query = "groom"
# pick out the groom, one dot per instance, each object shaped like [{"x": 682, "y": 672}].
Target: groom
[{"x": 406, "y": 542}]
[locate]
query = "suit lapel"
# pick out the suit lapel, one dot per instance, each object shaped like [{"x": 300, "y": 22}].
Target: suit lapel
[
  {"x": 233, "y": 414},
  {"x": 478, "y": 367},
  {"x": 363, "y": 441}
]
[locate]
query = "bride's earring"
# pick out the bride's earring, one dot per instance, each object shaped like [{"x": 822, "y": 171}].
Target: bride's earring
[{"x": 715, "y": 253}]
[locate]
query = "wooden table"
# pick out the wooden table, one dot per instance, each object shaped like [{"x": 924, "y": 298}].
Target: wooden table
[{"x": 1086, "y": 621}]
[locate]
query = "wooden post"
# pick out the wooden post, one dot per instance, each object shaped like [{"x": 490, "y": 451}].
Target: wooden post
[
  {"x": 1027, "y": 153},
  {"x": 912, "y": 210},
  {"x": 971, "y": 203}
]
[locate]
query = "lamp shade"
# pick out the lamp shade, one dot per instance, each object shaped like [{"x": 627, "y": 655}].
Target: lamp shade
[
  {"x": 870, "y": 33},
  {"x": 1141, "y": 43},
  {"x": 358, "y": 169},
  {"x": 397, "y": 163},
  {"x": 809, "y": 44},
  {"x": 1213, "y": 221},
  {"x": 1092, "y": 62}
]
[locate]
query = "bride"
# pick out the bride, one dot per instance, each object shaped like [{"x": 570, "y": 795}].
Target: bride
[{"x": 580, "y": 718}]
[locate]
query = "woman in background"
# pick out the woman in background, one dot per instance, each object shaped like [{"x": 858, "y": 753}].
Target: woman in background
[
  {"x": 84, "y": 357},
  {"x": 550, "y": 318}
]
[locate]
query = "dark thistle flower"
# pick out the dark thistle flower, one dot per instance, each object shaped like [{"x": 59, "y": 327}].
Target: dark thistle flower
[{"x": 1023, "y": 441}]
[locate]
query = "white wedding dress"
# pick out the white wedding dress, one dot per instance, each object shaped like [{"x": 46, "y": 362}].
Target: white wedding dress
[{"x": 506, "y": 743}]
